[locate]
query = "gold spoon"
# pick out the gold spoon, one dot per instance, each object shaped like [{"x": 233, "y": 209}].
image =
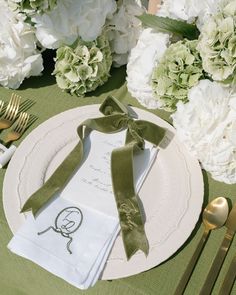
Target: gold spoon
[
  {"x": 214, "y": 216},
  {"x": 221, "y": 254}
]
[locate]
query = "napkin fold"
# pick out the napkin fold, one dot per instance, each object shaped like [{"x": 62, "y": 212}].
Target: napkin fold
[
  {"x": 90, "y": 242},
  {"x": 74, "y": 234}
]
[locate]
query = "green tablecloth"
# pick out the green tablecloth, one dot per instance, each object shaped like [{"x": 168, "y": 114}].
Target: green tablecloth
[{"x": 22, "y": 277}]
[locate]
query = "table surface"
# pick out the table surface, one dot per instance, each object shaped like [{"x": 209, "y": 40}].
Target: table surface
[{"x": 22, "y": 277}]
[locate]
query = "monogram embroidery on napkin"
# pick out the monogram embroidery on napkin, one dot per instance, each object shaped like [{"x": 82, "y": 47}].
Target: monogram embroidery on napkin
[{"x": 67, "y": 222}]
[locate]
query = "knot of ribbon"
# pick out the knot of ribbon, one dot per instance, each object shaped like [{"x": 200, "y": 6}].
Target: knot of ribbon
[{"x": 116, "y": 117}]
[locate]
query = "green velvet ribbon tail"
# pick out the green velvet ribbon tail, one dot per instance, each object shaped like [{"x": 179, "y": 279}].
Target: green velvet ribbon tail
[
  {"x": 127, "y": 200},
  {"x": 54, "y": 184},
  {"x": 72, "y": 162},
  {"x": 131, "y": 221},
  {"x": 116, "y": 118}
]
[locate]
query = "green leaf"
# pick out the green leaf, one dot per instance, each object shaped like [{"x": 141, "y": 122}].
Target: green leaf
[{"x": 167, "y": 24}]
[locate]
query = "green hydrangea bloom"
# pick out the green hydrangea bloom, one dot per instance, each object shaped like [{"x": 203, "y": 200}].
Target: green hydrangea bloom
[
  {"x": 179, "y": 69},
  {"x": 35, "y": 5},
  {"x": 217, "y": 43},
  {"x": 84, "y": 66}
]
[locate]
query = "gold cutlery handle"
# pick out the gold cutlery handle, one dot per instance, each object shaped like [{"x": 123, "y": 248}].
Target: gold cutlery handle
[
  {"x": 229, "y": 278},
  {"x": 217, "y": 263},
  {"x": 192, "y": 263}
]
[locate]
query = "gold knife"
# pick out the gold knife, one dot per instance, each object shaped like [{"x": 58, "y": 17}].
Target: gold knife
[
  {"x": 220, "y": 256},
  {"x": 229, "y": 278}
]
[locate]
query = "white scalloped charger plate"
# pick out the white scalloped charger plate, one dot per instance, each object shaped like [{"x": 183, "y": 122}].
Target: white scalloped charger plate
[{"x": 172, "y": 194}]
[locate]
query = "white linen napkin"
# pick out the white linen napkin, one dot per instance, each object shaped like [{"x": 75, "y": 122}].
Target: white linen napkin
[{"x": 74, "y": 234}]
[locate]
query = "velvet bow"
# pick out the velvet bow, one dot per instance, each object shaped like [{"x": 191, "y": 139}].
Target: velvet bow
[{"x": 116, "y": 117}]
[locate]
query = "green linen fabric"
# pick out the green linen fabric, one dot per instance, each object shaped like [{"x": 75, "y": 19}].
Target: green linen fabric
[{"x": 19, "y": 276}]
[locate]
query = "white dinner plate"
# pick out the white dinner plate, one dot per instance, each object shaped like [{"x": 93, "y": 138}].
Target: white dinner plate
[{"x": 172, "y": 194}]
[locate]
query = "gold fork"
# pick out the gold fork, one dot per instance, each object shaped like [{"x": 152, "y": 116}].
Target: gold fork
[
  {"x": 1, "y": 105},
  {"x": 11, "y": 112},
  {"x": 17, "y": 130}
]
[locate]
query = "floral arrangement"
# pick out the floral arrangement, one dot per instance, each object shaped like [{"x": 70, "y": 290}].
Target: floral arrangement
[
  {"x": 185, "y": 63},
  {"x": 88, "y": 37},
  {"x": 182, "y": 60}
]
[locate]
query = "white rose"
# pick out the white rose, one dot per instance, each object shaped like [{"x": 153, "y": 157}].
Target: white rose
[
  {"x": 206, "y": 124},
  {"x": 124, "y": 29},
  {"x": 147, "y": 53},
  {"x": 70, "y": 19},
  {"x": 19, "y": 58}
]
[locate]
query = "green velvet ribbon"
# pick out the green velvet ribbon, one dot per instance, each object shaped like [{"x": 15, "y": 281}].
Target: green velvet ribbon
[{"x": 117, "y": 117}]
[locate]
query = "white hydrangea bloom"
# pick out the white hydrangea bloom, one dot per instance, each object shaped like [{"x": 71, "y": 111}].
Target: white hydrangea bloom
[
  {"x": 188, "y": 10},
  {"x": 70, "y": 18},
  {"x": 19, "y": 57},
  {"x": 143, "y": 58},
  {"x": 124, "y": 29},
  {"x": 207, "y": 126}
]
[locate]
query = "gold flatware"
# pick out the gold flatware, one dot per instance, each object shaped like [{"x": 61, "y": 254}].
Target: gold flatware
[
  {"x": 220, "y": 256},
  {"x": 229, "y": 278},
  {"x": 1, "y": 105},
  {"x": 17, "y": 130},
  {"x": 11, "y": 112},
  {"x": 214, "y": 216},
  {"x": 25, "y": 105}
]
